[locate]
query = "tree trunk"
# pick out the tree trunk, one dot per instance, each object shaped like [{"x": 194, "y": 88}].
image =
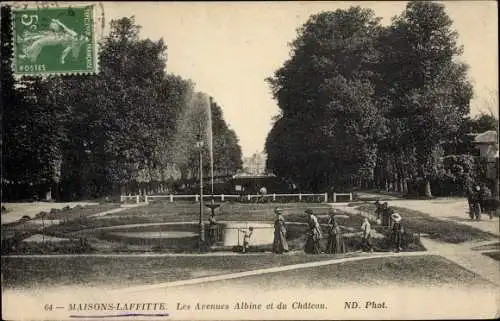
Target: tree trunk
[
  {"x": 427, "y": 191},
  {"x": 496, "y": 189},
  {"x": 405, "y": 186},
  {"x": 48, "y": 194},
  {"x": 55, "y": 191}
]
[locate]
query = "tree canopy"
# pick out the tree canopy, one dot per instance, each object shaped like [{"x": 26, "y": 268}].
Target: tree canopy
[
  {"x": 89, "y": 136},
  {"x": 361, "y": 102}
]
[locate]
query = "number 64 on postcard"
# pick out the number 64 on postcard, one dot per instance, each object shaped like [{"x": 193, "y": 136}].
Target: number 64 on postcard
[{"x": 54, "y": 41}]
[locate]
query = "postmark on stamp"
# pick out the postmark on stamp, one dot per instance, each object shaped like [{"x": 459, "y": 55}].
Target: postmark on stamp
[{"x": 54, "y": 41}]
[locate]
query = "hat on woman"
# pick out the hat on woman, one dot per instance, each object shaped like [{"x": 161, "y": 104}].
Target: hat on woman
[
  {"x": 309, "y": 211},
  {"x": 278, "y": 210},
  {"x": 396, "y": 217}
]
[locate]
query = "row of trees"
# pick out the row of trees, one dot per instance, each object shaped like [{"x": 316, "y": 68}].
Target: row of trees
[
  {"x": 89, "y": 136},
  {"x": 362, "y": 102}
]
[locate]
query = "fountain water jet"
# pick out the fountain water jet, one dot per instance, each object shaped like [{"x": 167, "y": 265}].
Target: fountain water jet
[{"x": 195, "y": 129}]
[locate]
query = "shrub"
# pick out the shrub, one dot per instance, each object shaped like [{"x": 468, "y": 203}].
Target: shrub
[
  {"x": 41, "y": 214},
  {"x": 65, "y": 247}
]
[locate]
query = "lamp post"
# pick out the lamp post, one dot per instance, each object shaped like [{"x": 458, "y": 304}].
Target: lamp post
[{"x": 199, "y": 145}]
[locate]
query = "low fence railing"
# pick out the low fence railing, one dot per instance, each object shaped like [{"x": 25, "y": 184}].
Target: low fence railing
[
  {"x": 341, "y": 194},
  {"x": 222, "y": 197}
]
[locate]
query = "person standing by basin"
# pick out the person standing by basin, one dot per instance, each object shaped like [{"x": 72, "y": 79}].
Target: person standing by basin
[
  {"x": 313, "y": 234},
  {"x": 280, "y": 244},
  {"x": 335, "y": 243},
  {"x": 246, "y": 239},
  {"x": 212, "y": 229},
  {"x": 366, "y": 234}
]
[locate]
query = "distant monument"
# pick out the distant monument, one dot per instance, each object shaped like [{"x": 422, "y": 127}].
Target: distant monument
[{"x": 255, "y": 164}]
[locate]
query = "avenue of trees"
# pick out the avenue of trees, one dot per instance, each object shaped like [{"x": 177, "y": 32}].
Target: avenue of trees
[
  {"x": 367, "y": 105},
  {"x": 84, "y": 136}
]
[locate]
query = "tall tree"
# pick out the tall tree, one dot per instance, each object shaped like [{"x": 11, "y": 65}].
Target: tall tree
[
  {"x": 89, "y": 135},
  {"x": 329, "y": 122},
  {"x": 428, "y": 89}
]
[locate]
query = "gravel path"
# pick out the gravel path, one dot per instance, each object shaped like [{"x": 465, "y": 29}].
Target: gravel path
[{"x": 453, "y": 209}]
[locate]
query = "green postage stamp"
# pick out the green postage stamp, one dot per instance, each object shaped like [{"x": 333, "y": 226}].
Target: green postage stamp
[{"x": 54, "y": 41}]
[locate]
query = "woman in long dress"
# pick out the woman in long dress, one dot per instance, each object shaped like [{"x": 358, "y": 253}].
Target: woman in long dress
[
  {"x": 335, "y": 242},
  {"x": 280, "y": 244},
  {"x": 313, "y": 235}
]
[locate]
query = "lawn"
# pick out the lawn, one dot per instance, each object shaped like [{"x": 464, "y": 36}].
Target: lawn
[
  {"x": 179, "y": 211},
  {"x": 64, "y": 214},
  {"x": 68, "y": 213},
  {"x": 116, "y": 272},
  {"x": 409, "y": 271},
  {"x": 33, "y": 272},
  {"x": 493, "y": 255},
  {"x": 85, "y": 229},
  {"x": 13, "y": 233},
  {"x": 437, "y": 229}
]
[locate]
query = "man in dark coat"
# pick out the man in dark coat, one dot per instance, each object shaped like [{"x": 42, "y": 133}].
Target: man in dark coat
[{"x": 386, "y": 214}]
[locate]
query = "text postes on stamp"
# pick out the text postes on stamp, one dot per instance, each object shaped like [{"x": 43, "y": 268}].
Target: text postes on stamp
[{"x": 54, "y": 41}]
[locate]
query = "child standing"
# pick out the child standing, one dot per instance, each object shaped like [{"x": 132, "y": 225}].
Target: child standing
[
  {"x": 366, "y": 229},
  {"x": 246, "y": 239}
]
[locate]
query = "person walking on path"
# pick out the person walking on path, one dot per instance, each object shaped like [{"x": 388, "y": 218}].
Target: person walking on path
[
  {"x": 366, "y": 233},
  {"x": 335, "y": 244},
  {"x": 313, "y": 234},
  {"x": 280, "y": 244},
  {"x": 386, "y": 215},
  {"x": 469, "y": 192},
  {"x": 397, "y": 232},
  {"x": 477, "y": 197}
]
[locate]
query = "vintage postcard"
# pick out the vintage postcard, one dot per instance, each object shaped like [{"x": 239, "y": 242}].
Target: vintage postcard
[{"x": 329, "y": 160}]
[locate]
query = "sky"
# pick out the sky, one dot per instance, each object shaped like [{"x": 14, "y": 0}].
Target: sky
[{"x": 228, "y": 49}]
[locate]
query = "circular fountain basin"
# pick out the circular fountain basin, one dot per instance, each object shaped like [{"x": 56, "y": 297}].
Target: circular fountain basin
[
  {"x": 156, "y": 235},
  {"x": 186, "y": 235},
  {"x": 183, "y": 236},
  {"x": 233, "y": 233}
]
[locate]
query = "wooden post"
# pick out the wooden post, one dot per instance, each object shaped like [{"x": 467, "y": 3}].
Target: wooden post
[
  {"x": 350, "y": 197},
  {"x": 196, "y": 197},
  {"x": 145, "y": 198},
  {"x": 137, "y": 198},
  {"x": 171, "y": 198},
  {"x": 274, "y": 196},
  {"x": 335, "y": 197},
  {"x": 222, "y": 198},
  {"x": 249, "y": 197},
  {"x": 300, "y": 197},
  {"x": 326, "y": 197}
]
